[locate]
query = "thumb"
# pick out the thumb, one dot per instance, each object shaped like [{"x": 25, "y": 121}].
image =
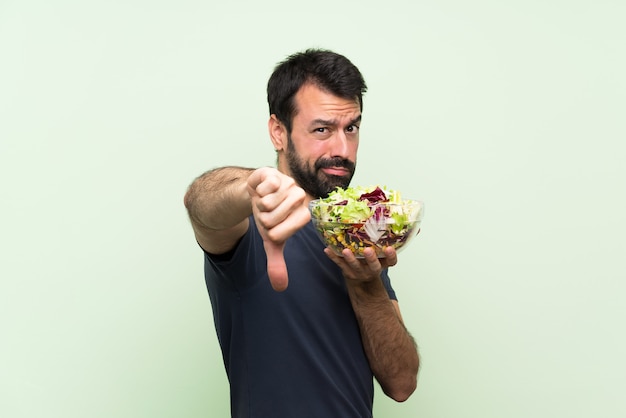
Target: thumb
[{"x": 276, "y": 267}]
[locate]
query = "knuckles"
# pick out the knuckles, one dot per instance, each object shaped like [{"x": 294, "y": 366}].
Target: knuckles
[{"x": 279, "y": 204}]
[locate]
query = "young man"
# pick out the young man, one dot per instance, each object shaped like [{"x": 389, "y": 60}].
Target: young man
[{"x": 302, "y": 331}]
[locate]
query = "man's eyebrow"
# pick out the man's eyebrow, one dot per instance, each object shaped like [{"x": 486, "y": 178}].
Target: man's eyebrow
[
  {"x": 355, "y": 120},
  {"x": 333, "y": 122}
]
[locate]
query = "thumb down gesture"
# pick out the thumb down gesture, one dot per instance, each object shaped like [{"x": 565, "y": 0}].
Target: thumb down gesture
[{"x": 279, "y": 209}]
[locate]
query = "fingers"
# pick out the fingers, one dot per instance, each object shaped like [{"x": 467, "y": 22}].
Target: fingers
[
  {"x": 285, "y": 212},
  {"x": 278, "y": 204},
  {"x": 363, "y": 269},
  {"x": 262, "y": 174},
  {"x": 391, "y": 257}
]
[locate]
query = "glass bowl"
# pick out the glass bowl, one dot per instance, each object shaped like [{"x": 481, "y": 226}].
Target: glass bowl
[{"x": 377, "y": 225}]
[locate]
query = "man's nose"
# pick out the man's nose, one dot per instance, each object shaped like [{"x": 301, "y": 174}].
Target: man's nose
[{"x": 340, "y": 147}]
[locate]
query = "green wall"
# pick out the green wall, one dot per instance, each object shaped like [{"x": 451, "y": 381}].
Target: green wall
[{"x": 505, "y": 117}]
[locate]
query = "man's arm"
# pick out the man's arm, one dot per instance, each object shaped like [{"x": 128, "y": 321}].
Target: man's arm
[
  {"x": 390, "y": 349},
  {"x": 218, "y": 204},
  {"x": 220, "y": 201}
]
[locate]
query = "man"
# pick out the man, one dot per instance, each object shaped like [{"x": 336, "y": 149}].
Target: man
[{"x": 302, "y": 330}]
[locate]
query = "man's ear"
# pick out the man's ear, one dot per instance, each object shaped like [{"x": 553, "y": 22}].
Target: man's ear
[{"x": 278, "y": 133}]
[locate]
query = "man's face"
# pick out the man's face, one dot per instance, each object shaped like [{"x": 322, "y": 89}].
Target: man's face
[{"x": 321, "y": 149}]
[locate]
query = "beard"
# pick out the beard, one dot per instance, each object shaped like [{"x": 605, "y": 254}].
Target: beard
[{"x": 313, "y": 180}]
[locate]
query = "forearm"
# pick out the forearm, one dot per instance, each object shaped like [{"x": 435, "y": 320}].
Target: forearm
[
  {"x": 390, "y": 349},
  {"x": 219, "y": 199}
]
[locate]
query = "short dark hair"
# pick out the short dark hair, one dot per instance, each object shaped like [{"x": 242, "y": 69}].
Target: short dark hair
[{"x": 323, "y": 68}]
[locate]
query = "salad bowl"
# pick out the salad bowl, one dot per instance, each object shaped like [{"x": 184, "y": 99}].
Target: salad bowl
[{"x": 358, "y": 218}]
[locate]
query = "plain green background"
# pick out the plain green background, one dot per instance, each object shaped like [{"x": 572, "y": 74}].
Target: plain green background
[{"x": 506, "y": 117}]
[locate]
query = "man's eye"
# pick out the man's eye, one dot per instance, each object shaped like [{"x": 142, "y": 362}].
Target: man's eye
[
  {"x": 320, "y": 130},
  {"x": 352, "y": 128}
]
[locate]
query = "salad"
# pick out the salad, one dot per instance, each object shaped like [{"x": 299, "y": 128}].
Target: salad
[{"x": 361, "y": 217}]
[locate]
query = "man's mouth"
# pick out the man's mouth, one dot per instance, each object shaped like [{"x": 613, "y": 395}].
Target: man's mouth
[{"x": 336, "y": 171}]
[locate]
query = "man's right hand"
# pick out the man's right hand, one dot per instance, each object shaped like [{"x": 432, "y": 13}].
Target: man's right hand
[{"x": 279, "y": 207}]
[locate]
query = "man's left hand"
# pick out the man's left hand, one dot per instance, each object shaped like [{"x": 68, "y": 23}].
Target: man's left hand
[{"x": 364, "y": 269}]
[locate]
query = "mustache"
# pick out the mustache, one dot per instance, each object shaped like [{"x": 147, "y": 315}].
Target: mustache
[{"x": 334, "y": 162}]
